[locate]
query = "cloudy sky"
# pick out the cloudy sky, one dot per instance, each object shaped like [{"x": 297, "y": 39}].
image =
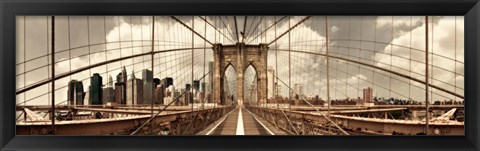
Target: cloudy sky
[{"x": 396, "y": 43}]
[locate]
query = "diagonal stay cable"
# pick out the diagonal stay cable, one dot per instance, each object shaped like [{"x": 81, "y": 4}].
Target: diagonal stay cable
[
  {"x": 227, "y": 28},
  {"x": 196, "y": 115},
  {"x": 244, "y": 27},
  {"x": 290, "y": 29},
  {"x": 254, "y": 29},
  {"x": 276, "y": 22},
  {"x": 204, "y": 19},
  {"x": 289, "y": 122},
  {"x": 286, "y": 117},
  {"x": 236, "y": 28},
  {"x": 250, "y": 26},
  {"x": 163, "y": 109},
  {"x": 379, "y": 68},
  {"x": 316, "y": 109},
  {"x": 186, "y": 26}
]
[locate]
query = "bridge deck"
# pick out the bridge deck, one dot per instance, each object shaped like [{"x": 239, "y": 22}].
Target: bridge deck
[{"x": 242, "y": 122}]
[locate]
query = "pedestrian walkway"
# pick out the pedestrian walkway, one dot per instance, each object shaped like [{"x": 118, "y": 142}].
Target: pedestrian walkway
[{"x": 242, "y": 122}]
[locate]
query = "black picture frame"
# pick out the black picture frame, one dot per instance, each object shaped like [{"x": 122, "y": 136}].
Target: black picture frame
[{"x": 9, "y": 9}]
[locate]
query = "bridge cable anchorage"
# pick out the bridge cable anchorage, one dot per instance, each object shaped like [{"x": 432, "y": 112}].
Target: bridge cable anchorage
[
  {"x": 379, "y": 68},
  {"x": 316, "y": 109},
  {"x": 290, "y": 29},
  {"x": 186, "y": 26},
  {"x": 274, "y": 24},
  {"x": 164, "y": 108}
]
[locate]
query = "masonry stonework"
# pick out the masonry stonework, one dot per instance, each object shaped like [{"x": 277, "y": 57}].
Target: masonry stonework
[{"x": 240, "y": 56}]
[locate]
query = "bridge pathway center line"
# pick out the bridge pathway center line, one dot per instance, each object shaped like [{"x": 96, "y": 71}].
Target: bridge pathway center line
[{"x": 240, "y": 128}]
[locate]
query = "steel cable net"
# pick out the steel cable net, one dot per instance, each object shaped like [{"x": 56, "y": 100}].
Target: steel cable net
[
  {"x": 386, "y": 54},
  {"x": 393, "y": 43}
]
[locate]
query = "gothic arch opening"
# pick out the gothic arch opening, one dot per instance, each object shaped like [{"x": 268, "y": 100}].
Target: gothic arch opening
[
  {"x": 250, "y": 84},
  {"x": 229, "y": 79},
  {"x": 240, "y": 56}
]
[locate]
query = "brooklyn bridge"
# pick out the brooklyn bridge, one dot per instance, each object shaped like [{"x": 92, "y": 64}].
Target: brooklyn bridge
[{"x": 240, "y": 75}]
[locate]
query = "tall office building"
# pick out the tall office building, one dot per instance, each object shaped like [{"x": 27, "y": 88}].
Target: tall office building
[
  {"x": 202, "y": 87},
  {"x": 120, "y": 93},
  {"x": 210, "y": 80},
  {"x": 110, "y": 81},
  {"x": 368, "y": 95},
  {"x": 124, "y": 76},
  {"x": 121, "y": 87},
  {"x": 203, "y": 92},
  {"x": 134, "y": 91},
  {"x": 156, "y": 82},
  {"x": 96, "y": 92},
  {"x": 148, "y": 89},
  {"x": 168, "y": 81},
  {"x": 278, "y": 89},
  {"x": 87, "y": 97},
  {"x": 75, "y": 93},
  {"x": 108, "y": 92},
  {"x": 159, "y": 94},
  {"x": 298, "y": 91}
]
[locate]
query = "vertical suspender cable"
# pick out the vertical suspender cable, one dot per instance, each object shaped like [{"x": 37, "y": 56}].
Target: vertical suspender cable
[
  {"x": 328, "y": 76},
  {"x": 53, "y": 74},
  {"x": 426, "y": 75},
  {"x": 193, "y": 45},
  {"x": 289, "y": 62},
  {"x": 276, "y": 63},
  {"x": 152, "y": 54}
]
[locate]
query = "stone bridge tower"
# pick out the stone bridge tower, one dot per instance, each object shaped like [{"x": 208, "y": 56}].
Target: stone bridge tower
[{"x": 240, "y": 56}]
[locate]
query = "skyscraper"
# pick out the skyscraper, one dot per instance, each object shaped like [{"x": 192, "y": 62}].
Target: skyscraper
[
  {"x": 124, "y": 75},
  {"x": 298, "y": 91},
  {"x": 367, "y": 99},
  {"x": 120, "y": 93},
  {"x": 147, "y": 78},
  {"x": 108, "y": 91},
  {"x": 75, "y": 93},
  {"x": 121, "y": 87},
  {"x": 110, "y": 81},
  {"x": 368, "y": 95},
  {"x": 188, "y": 96},
  {"x": 159, "y": 94},
  {"x": 134, "y": 91},
  {"x": 278, "y": 89},
  {"x": 156, "y": 82},
  {"x": 96, "y": 93},
  {"x": 210, "y": 80}
]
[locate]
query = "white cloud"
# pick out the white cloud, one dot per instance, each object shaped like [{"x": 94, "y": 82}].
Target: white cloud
[{"x": 334, "y": 29}]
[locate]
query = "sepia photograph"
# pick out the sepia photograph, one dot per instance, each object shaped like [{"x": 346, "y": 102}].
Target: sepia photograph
[{"x": 240, "y": 75}]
